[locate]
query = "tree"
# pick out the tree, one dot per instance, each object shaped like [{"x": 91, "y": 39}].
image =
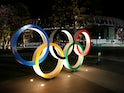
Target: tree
[
  {"x": 5, "y": 13},
  {"x": 20, "y": 17},
  {"x": 70, "y": 12},
  {"x": 60, "y": 9},
  {"x": 66, "y": 12},
  {"x": 11, "y": 18}
]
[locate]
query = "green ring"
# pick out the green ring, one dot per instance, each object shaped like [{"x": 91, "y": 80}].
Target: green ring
[{"x": 67, "y": 62}]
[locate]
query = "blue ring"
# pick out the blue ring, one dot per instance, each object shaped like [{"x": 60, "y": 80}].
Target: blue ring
[{"x": 14, "y": 45}]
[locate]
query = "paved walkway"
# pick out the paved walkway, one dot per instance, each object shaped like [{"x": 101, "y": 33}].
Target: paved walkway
[{"x": 104, "y": 78}]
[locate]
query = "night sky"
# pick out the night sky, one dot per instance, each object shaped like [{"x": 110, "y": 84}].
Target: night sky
[
  {"x": 40, "y": 8},
  {"x": 37, "y": 8},
  {"x": 113, "y": 8},
  {"x": 43, "y": 8}
]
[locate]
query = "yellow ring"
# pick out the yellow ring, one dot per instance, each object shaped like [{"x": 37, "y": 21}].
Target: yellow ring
[{"x": 59, "y": 66}]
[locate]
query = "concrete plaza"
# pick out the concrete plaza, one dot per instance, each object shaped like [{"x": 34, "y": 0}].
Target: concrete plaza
[{"x": 107, "y": 76}]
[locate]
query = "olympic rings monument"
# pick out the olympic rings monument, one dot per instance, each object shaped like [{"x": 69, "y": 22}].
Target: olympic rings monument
[{"x": 49, "y": 46}]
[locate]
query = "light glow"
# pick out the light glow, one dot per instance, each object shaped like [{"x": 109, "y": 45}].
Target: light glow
[
  {"x": 42, "y": 85},
  {"x": 31, "y": 80},
  {"x": 68, "y": 76},
  {"x": 86, "y": 70}
]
